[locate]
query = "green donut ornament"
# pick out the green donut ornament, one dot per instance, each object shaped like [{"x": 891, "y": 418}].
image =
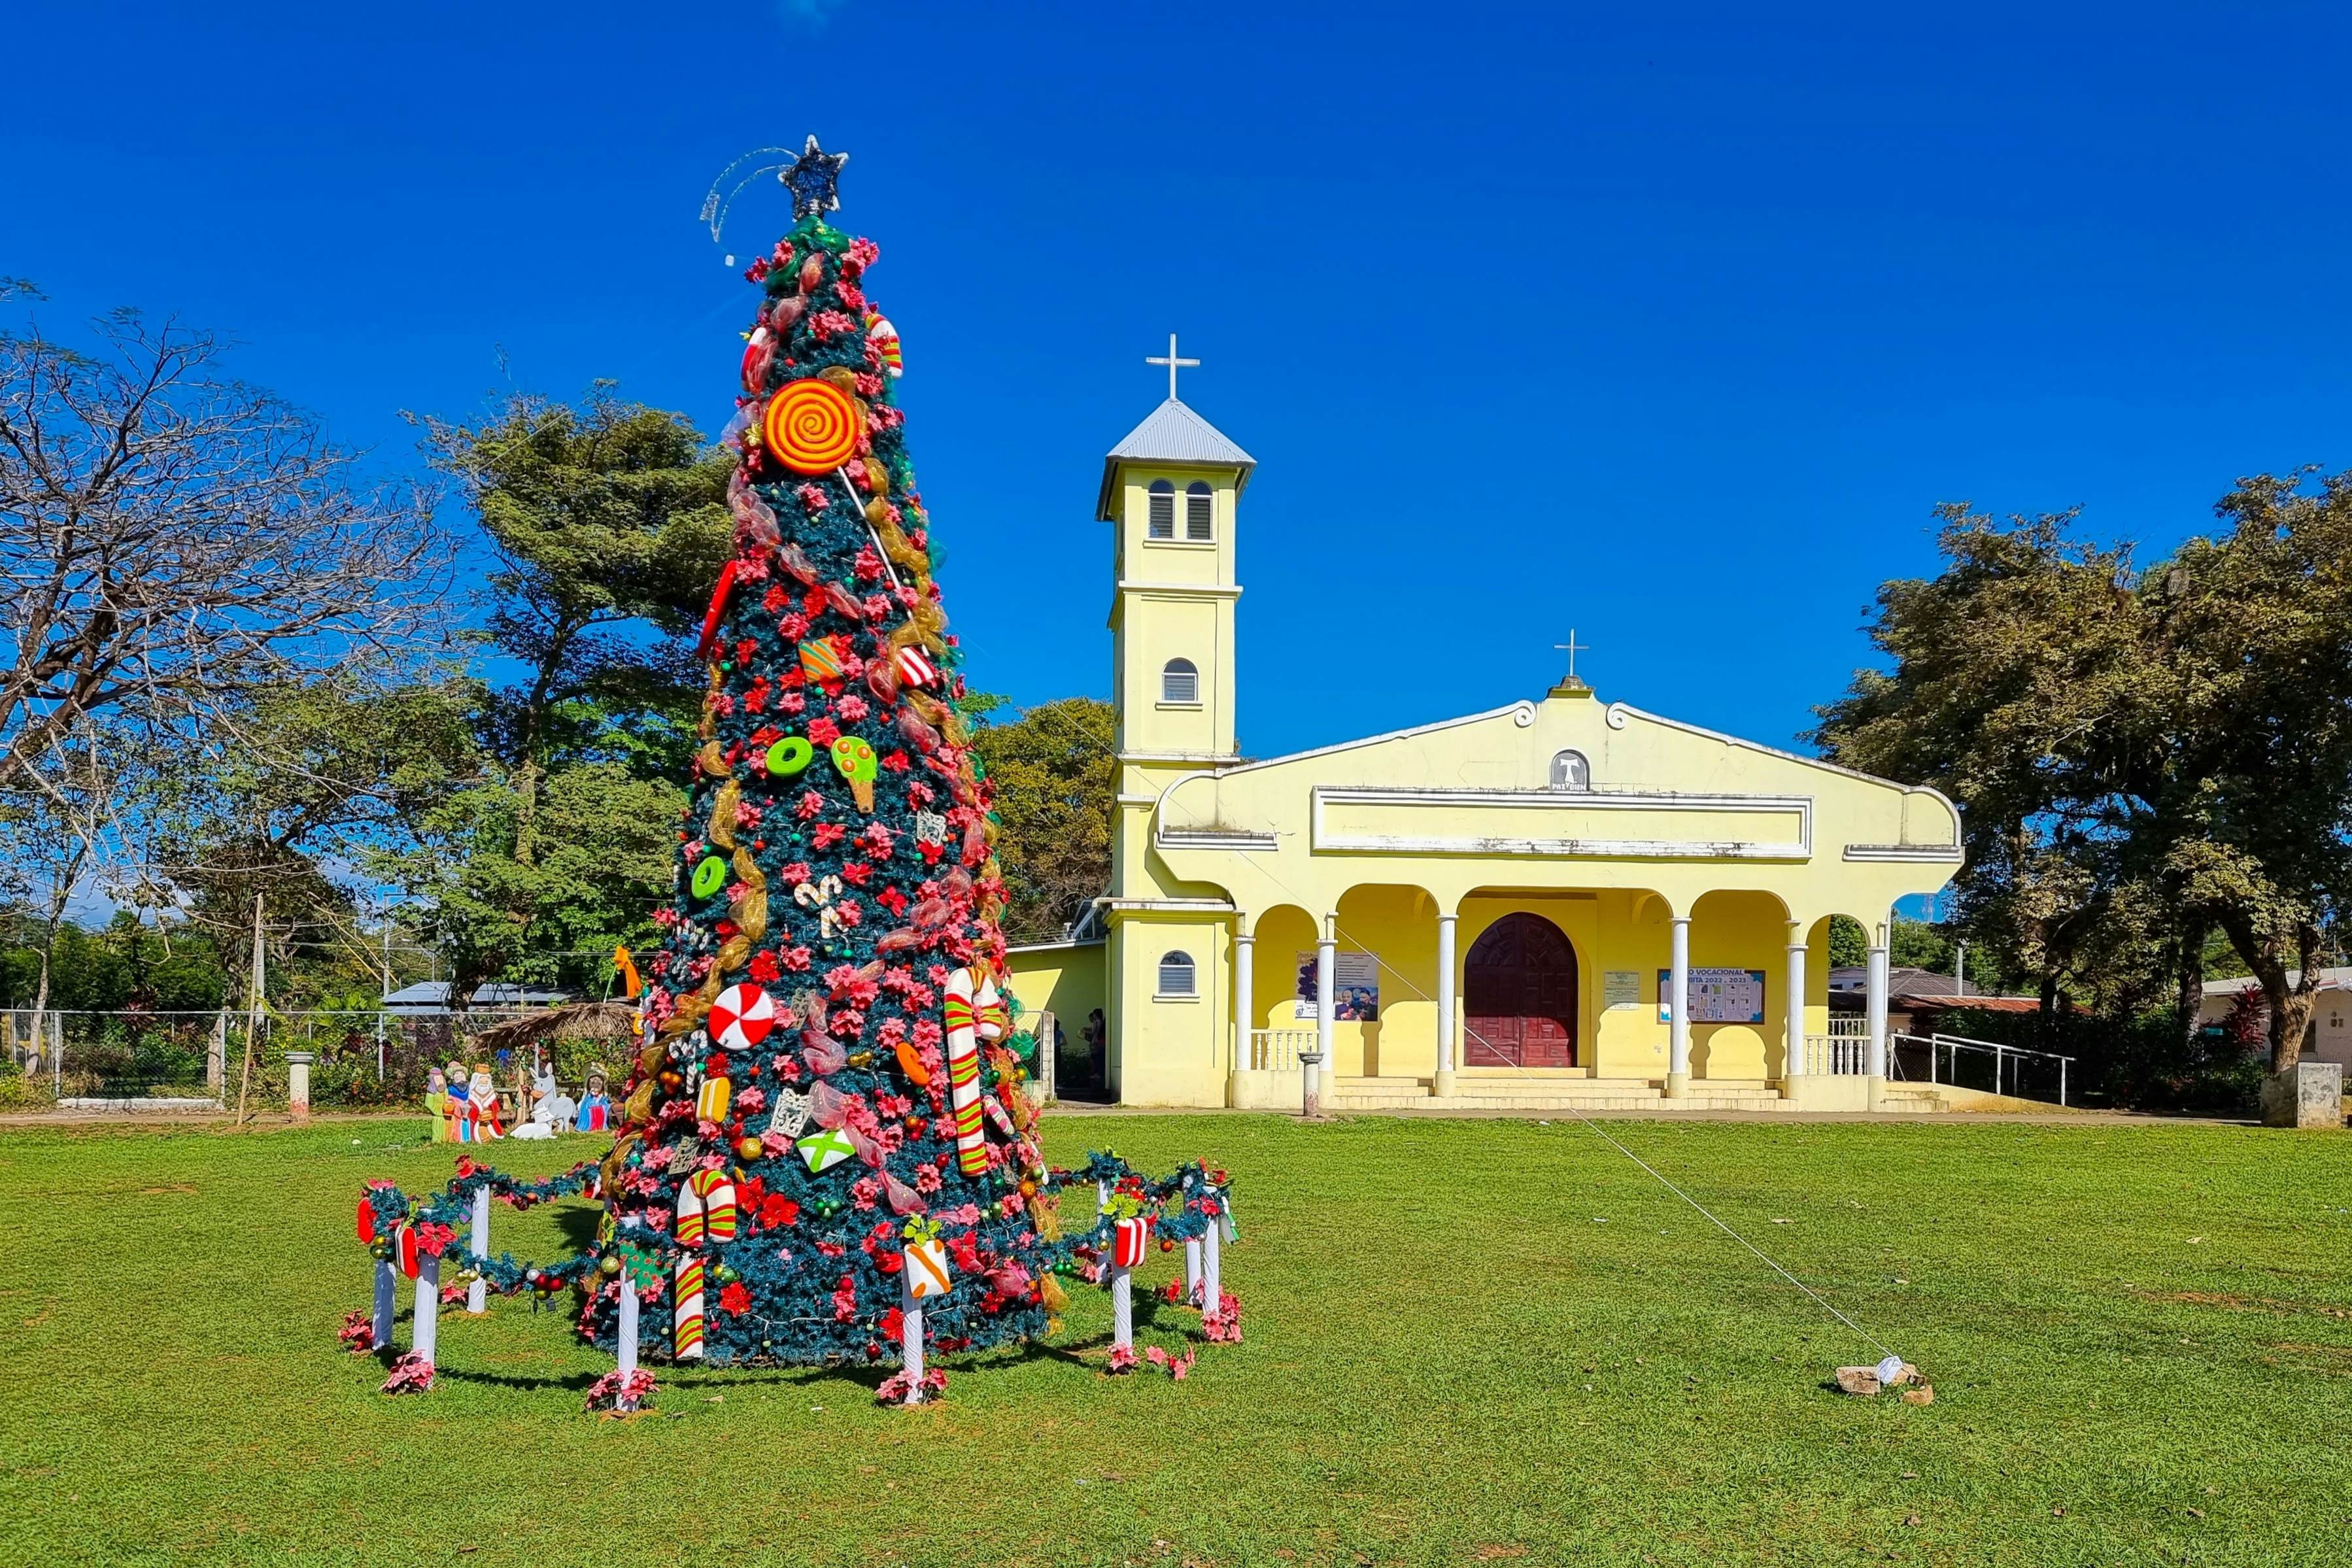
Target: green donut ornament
[
  {"x": 709, "y": 877},
  {"x": 789, "y": 756}
]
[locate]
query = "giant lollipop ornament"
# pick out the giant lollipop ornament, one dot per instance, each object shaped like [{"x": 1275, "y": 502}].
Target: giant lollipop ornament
[{"x": 812, "y": 427}]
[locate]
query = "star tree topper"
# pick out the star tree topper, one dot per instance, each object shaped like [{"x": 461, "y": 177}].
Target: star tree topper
[{"x": 813, "y": 179}]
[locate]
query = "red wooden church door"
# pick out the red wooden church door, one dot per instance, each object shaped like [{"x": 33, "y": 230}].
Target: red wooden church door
[{"x": 1519, "y": 996}]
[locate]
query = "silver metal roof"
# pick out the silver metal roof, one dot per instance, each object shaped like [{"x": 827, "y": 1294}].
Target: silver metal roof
[{"x": 1173, "y": 433}]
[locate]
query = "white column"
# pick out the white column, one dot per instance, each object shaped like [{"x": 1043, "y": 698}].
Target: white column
[
  {"x": 1212, "y": 1285},
  {"x": 477, "y": 1242},
  {"x": 911, "y": 1337},
  {"x": 387, "y": 1301},
  {"x": 1678, "y": 1002},
  {"x": 1442, "y": 1084},
  {"x": 1244, "y": 1006},
  {"x": 424, "y": 1320},
  {"x": 1122, "y": 1308},
  {"x": 1192, "y": 1270},
  {"x": 1327, "y": 948},
  {"x": 1875, "y": 1003},
  {"x": 1795, "y": 1044},
  {"x": 625, "y": 1335}
]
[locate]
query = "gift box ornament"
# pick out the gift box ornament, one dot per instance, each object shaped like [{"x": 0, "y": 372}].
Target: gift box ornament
[
  {"x": 1129, "y": 1238},
  {"x": 706, "y": 1209},
  {"x": 820, "y": 660},
  {"x": 822, "y": 1150}
]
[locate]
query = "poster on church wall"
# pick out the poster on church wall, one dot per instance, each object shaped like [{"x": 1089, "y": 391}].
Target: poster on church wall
[
  {"x": 1354, "y": 986},
  {"x": 1717, "y": 997}
]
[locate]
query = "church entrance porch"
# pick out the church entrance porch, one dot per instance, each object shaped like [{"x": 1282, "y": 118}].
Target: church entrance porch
[{"x": 1519, "y": 996}]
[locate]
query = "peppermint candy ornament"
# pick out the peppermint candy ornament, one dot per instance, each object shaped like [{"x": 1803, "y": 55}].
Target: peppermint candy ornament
[
  {"x": 741, "y": 1016},
  {"x": 915, "y": 667}
]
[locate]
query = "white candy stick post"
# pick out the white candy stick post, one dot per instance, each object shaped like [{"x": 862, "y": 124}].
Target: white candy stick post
[
  {"x": 387, "y": 1301},
  {"x": 911, "y": 1337},
  {"x": 424, "y": 1322},
  {"x": 1192, "y": 1270},
  {"x": 477, "y": 1242},
  {"x": 1213, "y": 1290},
  {"x": 625, "y": 1337},
  {"x": 1122, "y": 1308}
]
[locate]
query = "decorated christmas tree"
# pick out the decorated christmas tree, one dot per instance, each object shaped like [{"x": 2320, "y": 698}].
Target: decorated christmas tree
[
  {"x": 824, "y": 1093},
  {"x": 823, "y": 1153}
]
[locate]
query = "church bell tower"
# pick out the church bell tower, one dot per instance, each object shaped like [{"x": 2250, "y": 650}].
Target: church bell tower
[{"x": 1171, "y": 490}]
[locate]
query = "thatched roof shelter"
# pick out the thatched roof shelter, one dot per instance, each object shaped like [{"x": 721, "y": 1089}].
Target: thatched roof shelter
[{"x": 578, "y": 1021}]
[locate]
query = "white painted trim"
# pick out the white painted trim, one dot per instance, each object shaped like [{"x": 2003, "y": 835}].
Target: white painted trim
[
  {"x": 1152, "y": 543},
  {"x": 1212, "y": 838},
  {"x": 1905, "y": 854},
  {"x": 1052, "y": 946},
  {"x": 1166, "y": 706},
  {"x": 1175, "y": 996},
  {"x": 1213, "y": 758},
  {"x": 1197, "y": 590},
  {"x": 1167, "y": 906},
  {"x": 1557, "y": 800}
]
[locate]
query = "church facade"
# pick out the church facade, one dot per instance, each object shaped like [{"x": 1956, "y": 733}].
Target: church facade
[{"x": 1563, "y": 900}]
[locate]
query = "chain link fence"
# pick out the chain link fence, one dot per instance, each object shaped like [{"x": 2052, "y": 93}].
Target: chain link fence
[{"x": 155, "y": 1060}]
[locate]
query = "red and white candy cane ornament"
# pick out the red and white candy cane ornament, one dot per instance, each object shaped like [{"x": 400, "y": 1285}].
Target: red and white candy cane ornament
[
  {"x": 974, "y": 1013},
  {"x": 742, "y": 1017}
]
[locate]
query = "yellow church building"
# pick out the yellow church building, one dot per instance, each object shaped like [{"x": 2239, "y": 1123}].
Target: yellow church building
[{"x": 1566, "y": 901}]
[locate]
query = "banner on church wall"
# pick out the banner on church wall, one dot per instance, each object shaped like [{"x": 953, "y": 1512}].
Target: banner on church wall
[
  {"x": 1354, "y": 986},
  {"x": 1717, "y": 997}
]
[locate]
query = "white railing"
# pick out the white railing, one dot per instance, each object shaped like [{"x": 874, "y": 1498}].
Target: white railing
[
  {"x": 1837, "y": 1055},
  {"x": 2009, "y": 1062},
  {"x": 1844, "y": 1052},
  {"x": 1276, "y": 1051}
]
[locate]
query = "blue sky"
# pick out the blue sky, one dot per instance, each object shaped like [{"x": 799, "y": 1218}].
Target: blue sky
[{"x": 1669, "y": 323}]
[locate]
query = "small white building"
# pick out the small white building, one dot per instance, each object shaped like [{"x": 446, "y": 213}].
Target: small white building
[{"x": 2329, "y": 1038}]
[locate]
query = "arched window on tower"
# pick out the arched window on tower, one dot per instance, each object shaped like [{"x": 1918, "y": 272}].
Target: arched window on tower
[
  {"x": 1162, "y": 522},
  {"x": 1197, "y": 513},
  {"x": 1176, "y": 975},
  {"x": 1569, "y": 771},
  {"x": 1178, "y": 681}
]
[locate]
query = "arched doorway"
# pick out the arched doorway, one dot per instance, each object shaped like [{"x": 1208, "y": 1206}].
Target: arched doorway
[{"x": 1519, "y": 995}]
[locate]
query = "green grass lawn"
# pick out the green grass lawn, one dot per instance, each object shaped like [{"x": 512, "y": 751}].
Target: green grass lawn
[{"x": 2140, "y": 1339}]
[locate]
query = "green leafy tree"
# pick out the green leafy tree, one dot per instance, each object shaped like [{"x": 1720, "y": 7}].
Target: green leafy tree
[
  {"x": 1057, "y": 773},
  {"x": 2141, "y": 755},
  {"x": 609, "y": 520}
]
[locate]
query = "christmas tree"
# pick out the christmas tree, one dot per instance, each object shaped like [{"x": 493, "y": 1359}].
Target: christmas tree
[
  {"x": 826, "y": 1093},
  {"x": 824, "y": 1152}
]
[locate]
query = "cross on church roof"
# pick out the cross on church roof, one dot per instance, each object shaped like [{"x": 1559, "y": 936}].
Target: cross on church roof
[
  {"x": 1572, "y": 647},
  {"x": 1171, "y": 362}
]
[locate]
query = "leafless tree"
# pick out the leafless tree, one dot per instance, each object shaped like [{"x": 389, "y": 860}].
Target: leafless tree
[{"x": 171, "y": 539}]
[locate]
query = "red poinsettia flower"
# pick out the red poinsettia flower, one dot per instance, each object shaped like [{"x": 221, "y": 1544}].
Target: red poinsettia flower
[{"x": 735, "y": 1298}]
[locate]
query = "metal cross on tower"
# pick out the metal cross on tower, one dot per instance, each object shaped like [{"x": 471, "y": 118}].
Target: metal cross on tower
[
  {"x": 1572, "y": 647},
  {"x": 1173, "y": 362}
]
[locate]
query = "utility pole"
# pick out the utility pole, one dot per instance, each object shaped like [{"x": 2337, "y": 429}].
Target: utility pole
[
  {"x": 252, "y": 1013},
  {"x": 387, "y": 917},
  {"x": 1960, "y": 969}
]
